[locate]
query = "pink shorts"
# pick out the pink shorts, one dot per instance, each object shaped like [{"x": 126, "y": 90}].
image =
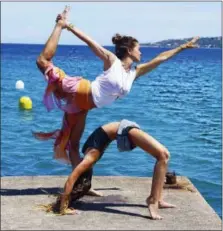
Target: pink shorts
[{"x": 69, "y": 85}]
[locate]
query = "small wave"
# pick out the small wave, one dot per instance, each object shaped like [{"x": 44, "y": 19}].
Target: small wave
[{"x": 207, "y": 188}]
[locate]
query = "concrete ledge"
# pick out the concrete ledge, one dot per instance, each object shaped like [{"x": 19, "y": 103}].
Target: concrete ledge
[{"x": 122, "y": 207}]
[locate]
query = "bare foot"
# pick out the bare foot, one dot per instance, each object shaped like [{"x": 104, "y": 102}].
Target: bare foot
[
  {"x": 65, "y": 12},
  {"x": 93, "y": 192},
  {"x": 62, "y": 19},
  {"x": 165, "y": 205},
  {"x": 153, "y": 208}
]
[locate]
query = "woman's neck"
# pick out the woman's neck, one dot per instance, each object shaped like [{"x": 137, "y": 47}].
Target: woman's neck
[{"x": 127, "y": 63}]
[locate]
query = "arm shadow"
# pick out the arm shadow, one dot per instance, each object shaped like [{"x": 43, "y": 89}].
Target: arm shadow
[{"x": 30, "y": 191}]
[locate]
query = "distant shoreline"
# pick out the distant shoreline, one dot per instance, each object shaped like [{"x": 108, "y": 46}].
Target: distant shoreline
[
  {"x": 83, "y": 45},
  {"x": 203, "y": 42},
  {"x": 208, "y": 48}
]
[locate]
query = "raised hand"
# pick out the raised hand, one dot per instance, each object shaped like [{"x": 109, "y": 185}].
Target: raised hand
[{"x": 191, "y": 44}]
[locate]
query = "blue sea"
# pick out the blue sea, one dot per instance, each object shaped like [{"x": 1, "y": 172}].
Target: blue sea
[{"x": 179, "y": 103}]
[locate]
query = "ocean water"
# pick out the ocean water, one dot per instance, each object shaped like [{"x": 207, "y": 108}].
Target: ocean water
[{"x": 178, "y": 103}]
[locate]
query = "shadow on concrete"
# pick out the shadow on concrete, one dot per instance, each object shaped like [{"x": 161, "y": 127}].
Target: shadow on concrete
[
  {"x": 114, "y": 188},
  {"x": 102, "y": 204},
  {"x": 106, "y": 208},
  {"x": 38, "y": 191},
  {"x": 29, "y": 191}
]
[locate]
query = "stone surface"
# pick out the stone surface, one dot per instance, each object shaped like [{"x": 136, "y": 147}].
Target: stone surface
[{"x": 122, "y": 207}]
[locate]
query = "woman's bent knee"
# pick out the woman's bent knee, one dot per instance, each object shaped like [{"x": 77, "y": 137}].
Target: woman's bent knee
[
  {"x": 164, "y": 156},
  {"x": 42, "y": 63}
]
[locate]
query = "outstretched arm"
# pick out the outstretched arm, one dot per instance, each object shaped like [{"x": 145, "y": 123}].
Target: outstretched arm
[
  {"x": 105, "y": 55},
  {"x": 89, "y": 160},
  {"x": 149, "y": 66}
]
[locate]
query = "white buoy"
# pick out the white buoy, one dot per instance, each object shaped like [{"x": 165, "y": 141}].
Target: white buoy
[{"x": 19, "y": 85}]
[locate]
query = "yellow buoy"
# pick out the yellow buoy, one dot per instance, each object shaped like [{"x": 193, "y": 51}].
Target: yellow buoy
[{"x": 25, "y": 103}]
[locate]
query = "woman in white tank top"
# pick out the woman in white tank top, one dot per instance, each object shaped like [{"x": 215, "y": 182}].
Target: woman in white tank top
[{"x": 115, "y": 82}]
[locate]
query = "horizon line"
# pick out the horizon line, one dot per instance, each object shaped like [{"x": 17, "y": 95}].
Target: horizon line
[{"x": 143, "y": 43}]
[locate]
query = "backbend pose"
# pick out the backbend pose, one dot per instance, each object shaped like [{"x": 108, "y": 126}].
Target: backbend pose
[
  {"x": 76, "y": 95},
  {"x": 128, "y": 135}
]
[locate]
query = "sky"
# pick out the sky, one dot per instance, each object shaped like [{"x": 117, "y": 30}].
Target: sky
[{"x": 33, "y": 22}]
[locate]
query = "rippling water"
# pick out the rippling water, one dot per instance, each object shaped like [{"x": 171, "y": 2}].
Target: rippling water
[{"x": 179, "y": 104}]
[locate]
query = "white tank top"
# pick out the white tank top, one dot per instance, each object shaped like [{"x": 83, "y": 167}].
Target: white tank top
[{"x": 112, "y": 84}]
